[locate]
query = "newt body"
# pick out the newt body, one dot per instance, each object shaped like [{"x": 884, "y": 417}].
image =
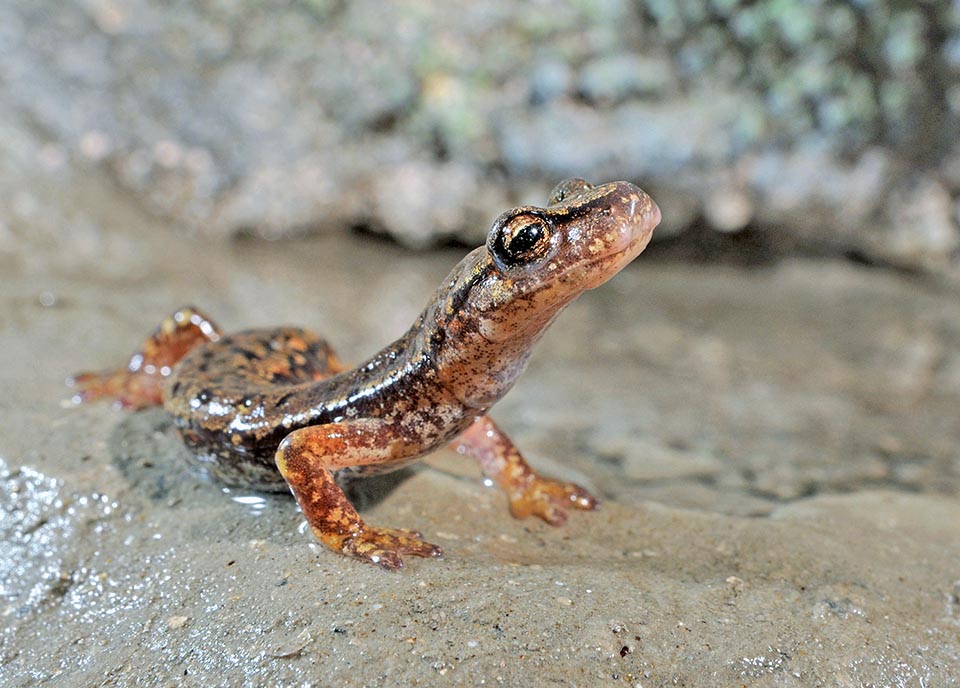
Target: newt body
[{"x": 275, "y": 409}]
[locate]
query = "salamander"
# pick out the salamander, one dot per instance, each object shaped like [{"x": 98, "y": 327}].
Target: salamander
[{"x": 275, "y": 409}]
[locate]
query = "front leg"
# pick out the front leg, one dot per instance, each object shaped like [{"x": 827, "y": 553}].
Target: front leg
[
  {"x": 307, "y": 459},
  {"x": 528, "y": 492}
]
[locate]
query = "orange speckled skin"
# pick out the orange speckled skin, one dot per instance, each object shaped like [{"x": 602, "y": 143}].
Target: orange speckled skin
[{"x": 272, "y": 409}]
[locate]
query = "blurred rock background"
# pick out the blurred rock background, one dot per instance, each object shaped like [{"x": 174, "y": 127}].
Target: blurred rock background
[{"x": 825, "y": 126}]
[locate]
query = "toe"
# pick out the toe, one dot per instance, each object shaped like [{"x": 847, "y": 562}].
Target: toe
[{"x": 384, "y": 547}]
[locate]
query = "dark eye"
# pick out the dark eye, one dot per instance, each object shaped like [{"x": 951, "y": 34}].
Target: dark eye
[
  {"x": 568, "y": 188},
  {"x": 522, "y": 240},
  {"x": 526, "y": 238}
]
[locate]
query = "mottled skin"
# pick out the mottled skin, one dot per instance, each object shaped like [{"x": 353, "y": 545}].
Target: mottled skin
[{"x": 272, "y": 409}]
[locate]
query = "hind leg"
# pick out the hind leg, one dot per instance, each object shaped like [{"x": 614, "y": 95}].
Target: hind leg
[{"x": 140, "y": 382}]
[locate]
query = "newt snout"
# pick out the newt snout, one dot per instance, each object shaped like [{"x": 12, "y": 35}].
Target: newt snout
[{"x": 618, "y": 227}]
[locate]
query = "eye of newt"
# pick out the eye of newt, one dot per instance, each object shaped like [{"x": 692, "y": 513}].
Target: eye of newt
[
  {"x": 522, "y": 240},
  {"x": 567, "y": 188}
]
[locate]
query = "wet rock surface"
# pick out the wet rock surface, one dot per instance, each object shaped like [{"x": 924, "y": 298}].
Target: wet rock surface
[
  {"x": 831, "y": 122},
  {"x": 776, "y": 449}
]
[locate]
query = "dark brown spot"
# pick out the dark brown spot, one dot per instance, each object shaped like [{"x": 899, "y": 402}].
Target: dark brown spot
[{"x": 247, "y": 354}]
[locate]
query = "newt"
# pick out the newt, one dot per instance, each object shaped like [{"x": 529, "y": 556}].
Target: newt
[{"x": 275, "y": 409}]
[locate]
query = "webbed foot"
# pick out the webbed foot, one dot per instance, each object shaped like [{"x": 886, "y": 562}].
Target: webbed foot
[
  {"x": 384, "y": 546},
  {"x": 549, "y": 499}
]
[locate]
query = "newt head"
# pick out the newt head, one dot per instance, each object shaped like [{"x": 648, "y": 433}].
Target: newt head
[
  {"x": 540, "y": 259},
  {"x": 502, "y": 296}
]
